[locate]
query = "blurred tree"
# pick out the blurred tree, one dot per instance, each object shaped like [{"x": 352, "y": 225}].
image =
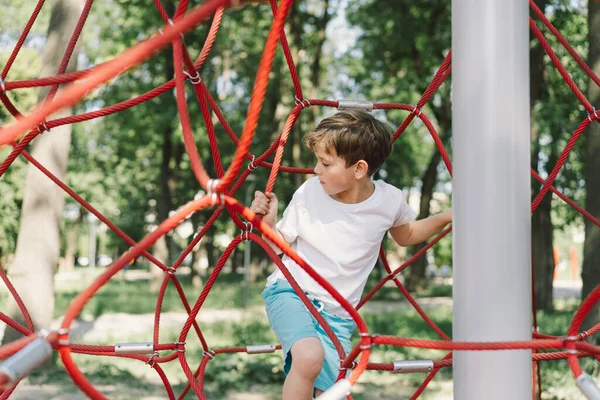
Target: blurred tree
[
  {"x": 591, "y": 252},
  {"x": 38, "y": 242}
]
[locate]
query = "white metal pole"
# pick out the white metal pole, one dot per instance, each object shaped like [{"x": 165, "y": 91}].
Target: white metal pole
[{"x": 491, "y": 196}]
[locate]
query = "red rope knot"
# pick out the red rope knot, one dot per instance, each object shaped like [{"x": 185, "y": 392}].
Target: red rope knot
[
  {"x": 417, "y": 111},
  {"x": 194, "y": 79},
  {"x": 246, "y": 231},
  {"x": 43, "y": 127},
  {"x": 592, "y": 113},
  {"x": 251, "y": 165},
  {"x": 2, "y": 85},
  {"x": 216, "y": 198},
  {"x": 302, "y": 102},
  {"x": 209, "y": 353}
]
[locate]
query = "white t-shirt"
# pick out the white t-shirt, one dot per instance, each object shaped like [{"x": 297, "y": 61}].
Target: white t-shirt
[{"x": 340, "y": 241}]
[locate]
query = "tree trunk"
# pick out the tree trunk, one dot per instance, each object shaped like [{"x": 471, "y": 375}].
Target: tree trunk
[
  {"x": 541, "y": 220},
  {"x": 590, "y": 273},
  {"x": 161, "y": 248},
  {"x": 38, "y": 242},
  {"x": 415, "y": 279},
  {"x": 72, "y": 241},
  {"x": 543, "y": 254}
]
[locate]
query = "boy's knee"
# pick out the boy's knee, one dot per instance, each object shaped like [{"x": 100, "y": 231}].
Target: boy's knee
[{"x": 308, "y": 356}]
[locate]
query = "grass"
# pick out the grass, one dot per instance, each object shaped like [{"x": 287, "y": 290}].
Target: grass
[{"x": 121, "y": 378}]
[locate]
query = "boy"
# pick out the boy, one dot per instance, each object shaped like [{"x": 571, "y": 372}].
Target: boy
[{"x": 336, "y": 222}]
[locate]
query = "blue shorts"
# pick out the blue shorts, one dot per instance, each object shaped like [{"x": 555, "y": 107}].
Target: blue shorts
[{"x": 292, "y": 321}]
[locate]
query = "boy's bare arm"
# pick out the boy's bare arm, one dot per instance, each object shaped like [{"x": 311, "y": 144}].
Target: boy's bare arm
[{"x": 419, "y": 231}]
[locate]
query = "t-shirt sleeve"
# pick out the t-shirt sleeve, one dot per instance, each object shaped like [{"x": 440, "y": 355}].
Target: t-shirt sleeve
[
  {"x": 405, "y": 214},
  {"x": 288, "y": 224}
]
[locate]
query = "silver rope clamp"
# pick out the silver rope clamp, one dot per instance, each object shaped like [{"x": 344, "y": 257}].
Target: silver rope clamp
[
  {"x": 590, "y": 114},
  {"x": 170, "y": 21},
  {"x": 417, "y": 111},
  {"x": 301, "y": 102},
  {"x": 43, "y": 127},
  {"x": 26, "y": 360},
  {"x": 409, "y": 366},
  {"x": 261, "y": 348},
  {"x": 588, "y": 387},
  {"x": 170, "y": 271},
  {"x": 352, "y": 366},
  {"x": 180, "y": 349},
  {"x": 251, "y": 165},
  {"x": 209, "y": 353},
  {"x": 212, "y": 191},
  {"x": 61, "y": 332},
  {"x": 134, "y": 348},
  {"x": 2, "y": 85},
  {"x": 355, "y": 105},
  {"x": 246, "y": 231},
  {"x": 151, "y": 362},
  {"x": 194, "y": 79},
  {"x": 566, "y": 339}
]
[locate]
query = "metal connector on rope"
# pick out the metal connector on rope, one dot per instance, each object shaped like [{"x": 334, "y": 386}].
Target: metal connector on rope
[
  {"x": 134, "y": 348},
  {"x": 43, "y": 127},
  {"x": 2, "y": 85},
  {"x": 246, "y": 231},
  {"x": 261, "y": 348},
  {"x": 590, "y": 114},
  {"x": 301, "y": 102},
  {"x": 417, "y": 111},
  {"x": 338, "y": 391},
  {"x": 211, "y": 186},
  {"x": 409, "y": 366},
  {"x": 26, "y": 360},
  {"x": 588, "y": 387},
  {"x": 170, "y": 270},
  {"x": 251, "y": 165},
  {"x": 355, "y": 105},
  {"x": 209, "y": 353},
  {"x": 352, "y": 366},
  {"x": 194, "y": 79},
  {"x": 566, "y": 339}
]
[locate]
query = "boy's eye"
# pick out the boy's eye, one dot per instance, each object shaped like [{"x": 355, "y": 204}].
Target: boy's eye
[{"x": 325, "y": 165}]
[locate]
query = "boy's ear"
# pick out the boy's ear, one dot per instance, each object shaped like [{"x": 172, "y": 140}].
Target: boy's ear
[{"x": 361, "y": 169}]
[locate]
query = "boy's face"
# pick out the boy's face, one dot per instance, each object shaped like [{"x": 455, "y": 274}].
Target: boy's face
[{"x": 332, "y": 172}]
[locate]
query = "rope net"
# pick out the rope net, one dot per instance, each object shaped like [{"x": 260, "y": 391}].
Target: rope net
[{"x": 36, "y": 346}]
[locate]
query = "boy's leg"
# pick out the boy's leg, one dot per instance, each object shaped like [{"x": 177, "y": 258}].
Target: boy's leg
[
  {"x": 302, "y": 349},
  {"x": 343, "y": 329},
  {"x": 307, "y": 361}
]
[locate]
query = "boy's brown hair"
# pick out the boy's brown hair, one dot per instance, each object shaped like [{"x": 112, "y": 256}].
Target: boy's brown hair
[{"x": 354, "y": 136}]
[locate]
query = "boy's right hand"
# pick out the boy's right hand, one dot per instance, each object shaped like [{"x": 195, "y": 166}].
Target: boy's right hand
[{"x": 266, "y": 205}]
